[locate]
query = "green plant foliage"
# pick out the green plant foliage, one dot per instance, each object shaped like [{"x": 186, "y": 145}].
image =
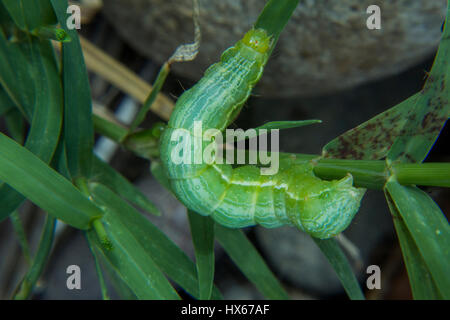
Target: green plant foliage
[
  {"x": 52, "y": 165},
  {"x": 202, "y": 231},
  {"x": 78, "y": 123}
]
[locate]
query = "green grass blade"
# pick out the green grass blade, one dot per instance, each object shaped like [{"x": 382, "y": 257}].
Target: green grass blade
[
  {"x": 45, "y": 245},
  {"x": 420, "y": 279},
  {"x": 341, "y": 266},
  {"x": 21, "y": 235},
  {"x": 31, "y": 78},
  {"x": 30, "y": 176},
  {"x": 287, "y": 124},
  {"x": 169, "y": 257},
  {"x": 120, "y": 287},
  {"x": 275, "y": 16},
  {"x": 107, "y": 176},
  {"x": 29, "y": 15},
  {"x": 99, "y": 271},
  {"x": 5, "y": 102},
  {"x": 78, "y": 123},
  {"x": 250, "y": 262},
  {"x": 202, "y": 231},
  {"x": 278, "y": 125},
  {"x": 131, "y": 262},
  {"x": 15, "y": 125},
  {"x": 162, "y": 75},
  {"x": 46, "y": 118},
  {"x": 109, "y": 129},
  {"x": 428, "y": 228},
  {"x": 10, "y": 200}
]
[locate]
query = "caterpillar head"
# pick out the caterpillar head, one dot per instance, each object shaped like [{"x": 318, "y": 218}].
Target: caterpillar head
[
  {"x": 258, "y": 40},
  {"x": 330, "y": 213}
]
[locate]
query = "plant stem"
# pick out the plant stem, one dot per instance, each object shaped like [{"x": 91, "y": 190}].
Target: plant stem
[
  {"x": 370, "y": 174},
  {"x": 33, "y": 274},
  {"x": 424, "y": 174},
  {"x": 21, "y": 235}
]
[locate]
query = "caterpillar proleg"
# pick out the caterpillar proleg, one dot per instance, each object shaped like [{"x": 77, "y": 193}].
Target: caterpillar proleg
[{"x": 240, "y": 197}]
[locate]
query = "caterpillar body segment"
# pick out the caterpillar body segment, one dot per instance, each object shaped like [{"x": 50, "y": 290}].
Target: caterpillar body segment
[{"x": 240, "y": 197}]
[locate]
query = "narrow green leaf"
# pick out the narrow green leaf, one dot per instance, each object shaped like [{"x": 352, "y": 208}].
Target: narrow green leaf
[
  {"x": 29, "y": 15},
  {"x": 160, "y": 79},
  {"x": 420, "y": 279},
  {"x": 15, "y": 125},
  {"x": 250, "y": 262},
  {"x": 202, "y": 231},
  {"x": 341, "y": 266},
  {"x": 78, "y": 123},
  {"x": 287, "y": 124},
  {"x": 278, "y": 125},
  {"x": 274, "y": 17},
  {"x": 131, "y": 262},
  {"x": 99, "y": 271},
  {"x": 109, "y": 129},
  {"x": 30, "y": 176},
  {"x": 107, "y": 176},
  {"x": 428, "y": 228},
  {"x": 21, "y": 235},
  {"x": 5, "y": 102},
  {"x": 169, "y": 257},
  {"x": 15, "y": 60},
  {"x": 45, "y": 245},
  {"x": 31, "y": 78},
  {"x": 120, "y": 287}
]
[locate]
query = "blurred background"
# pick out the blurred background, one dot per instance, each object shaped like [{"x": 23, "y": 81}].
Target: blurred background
[{"x": 327, "y": 65}]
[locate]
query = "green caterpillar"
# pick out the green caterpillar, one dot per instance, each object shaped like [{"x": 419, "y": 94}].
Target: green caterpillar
[{"x": 240, "y": 197}]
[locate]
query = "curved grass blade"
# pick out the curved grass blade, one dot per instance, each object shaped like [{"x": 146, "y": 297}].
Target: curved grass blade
[
  {"x": 31, "y": 78},
  {"x": 129, "y": 260},
  {"x": 341, "y": 266},
  {"x": 420, "y": 279},
  {"x": 30, "y": 176},
  {"x": 169, "y": 257},
  {"x": 202, "y": 231},
  {"x": 428, "y": 228},
  {"x": 107, "y": 176},
  {"x": 46, "y": 120},
  {"x": 250, "y": 262},
  {"x": 45, "y": 245},
  {"x": 78, "y": 123}
]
